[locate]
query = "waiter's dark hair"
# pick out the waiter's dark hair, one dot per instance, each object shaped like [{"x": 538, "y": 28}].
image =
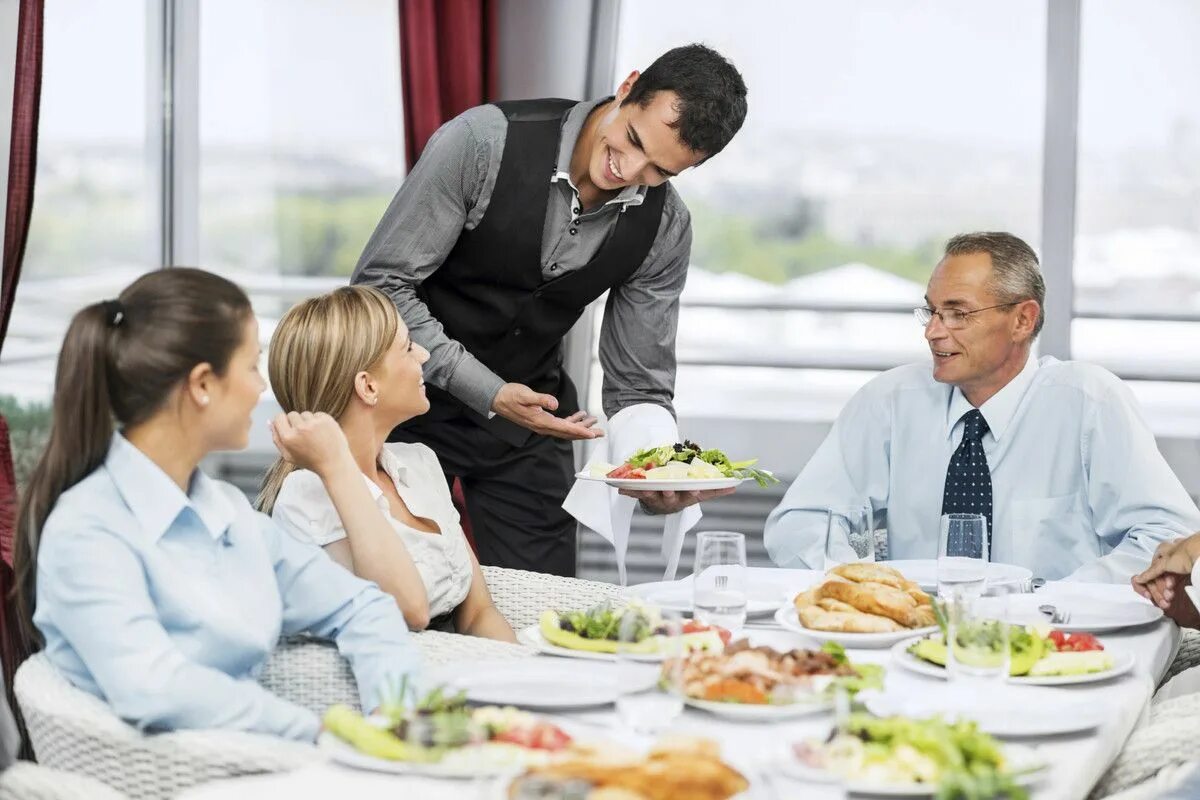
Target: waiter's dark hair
[
  {"x": 712, "y": 95},
  {"x": 119, "y": 363}
]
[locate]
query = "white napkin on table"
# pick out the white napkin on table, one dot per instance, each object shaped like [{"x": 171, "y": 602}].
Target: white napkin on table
[{"x": 599, "y": 507}]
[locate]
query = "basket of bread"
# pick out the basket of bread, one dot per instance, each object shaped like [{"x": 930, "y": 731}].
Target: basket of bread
[{"x": 861, "y": 605}]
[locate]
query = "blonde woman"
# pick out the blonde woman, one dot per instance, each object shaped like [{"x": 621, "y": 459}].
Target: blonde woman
[{"x": 348, "y": 354}]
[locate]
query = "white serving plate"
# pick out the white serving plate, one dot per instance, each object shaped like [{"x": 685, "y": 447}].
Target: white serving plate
[
  {"x": 679, "y": 485},
  {"x": 532, "y": 637},
  {"x": 342, "y": 752},
  {"x": 789, "y": 619},
  {"x": 762, "y": 600},
  {"x": 549, "y": 684},
  {"x": 923, "y": 571},
  {"x": 746, "y": 712},
  {"x": 1122, "y": 662},
  {"x": 1087, "y": 615},
  {"x": 1043, "y": 712},
  {"x": 1020, "y": 758}
]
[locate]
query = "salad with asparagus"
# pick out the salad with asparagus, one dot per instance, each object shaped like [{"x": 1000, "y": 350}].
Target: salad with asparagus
[
  {"x": 684, "y": 460},
  {"x": 440, "y": 729},
  {"x": 957, "y": 760}
]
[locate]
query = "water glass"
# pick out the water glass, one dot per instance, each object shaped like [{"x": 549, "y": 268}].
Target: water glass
[
  {"x": 849, "y": 535},
  {"x": 977, "y": 638},
  {"x": 649, "y": 696},
  {"x": 962, "y": 554},
  {"x": 719, "y": 579}
]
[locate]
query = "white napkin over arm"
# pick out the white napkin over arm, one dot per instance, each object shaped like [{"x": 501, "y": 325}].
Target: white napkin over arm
[{"x": 598, "y": 506}]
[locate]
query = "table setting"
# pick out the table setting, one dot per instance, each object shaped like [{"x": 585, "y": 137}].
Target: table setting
[{"x": 764, "y": 683}]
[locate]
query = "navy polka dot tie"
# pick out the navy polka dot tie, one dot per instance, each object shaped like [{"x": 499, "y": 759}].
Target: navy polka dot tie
[{"x": 968, "y": 479}]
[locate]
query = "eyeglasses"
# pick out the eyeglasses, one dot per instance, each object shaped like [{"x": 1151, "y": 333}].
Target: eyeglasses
[{"x": 952, "y": 318}]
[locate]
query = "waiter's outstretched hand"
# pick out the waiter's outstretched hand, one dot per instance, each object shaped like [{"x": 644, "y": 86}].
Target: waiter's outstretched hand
[{"x": 518, "y": 403}]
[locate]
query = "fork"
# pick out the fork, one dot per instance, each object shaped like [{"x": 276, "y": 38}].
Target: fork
[
  {"x": 721, "y": 582},
  {"x": 1056, "y": 617}
]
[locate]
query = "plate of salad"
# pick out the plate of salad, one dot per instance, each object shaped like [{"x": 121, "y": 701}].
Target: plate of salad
[
  {"x": 682, "y": 466},
  {"x": 762, "y": 684},
  {"x": 440, "y": 735},
  {"x": 1037, "y": 657},
  {"x": 595, "y": 633},
  {"x": 905, "y": 757}
]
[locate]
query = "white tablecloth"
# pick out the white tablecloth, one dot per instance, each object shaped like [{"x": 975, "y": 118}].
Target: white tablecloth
[{"x": 1077, "y": 761}]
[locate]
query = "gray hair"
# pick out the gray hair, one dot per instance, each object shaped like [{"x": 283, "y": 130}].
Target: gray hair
[{"x": 1016, "y": 273}]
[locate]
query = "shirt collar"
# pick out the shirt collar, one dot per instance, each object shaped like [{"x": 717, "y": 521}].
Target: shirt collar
[
  {"x": 1000, "y": 408},
  {"x": 395, "y": 469},
  {"x": 571, "y": 128},
  {"x": 156, "y": 501}
]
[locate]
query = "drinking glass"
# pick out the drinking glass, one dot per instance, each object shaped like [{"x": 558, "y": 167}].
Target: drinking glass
[
  {"x": 649, "y": 695},
  {"x": 977, "y": 635},
  {"x": 962, "y": 554},
  {"x": 849, "y": 535},
  {"x": 719, "y": 579}
]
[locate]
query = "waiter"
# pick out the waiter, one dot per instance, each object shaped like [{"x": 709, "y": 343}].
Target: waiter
[{"x": 515, "y": 218}]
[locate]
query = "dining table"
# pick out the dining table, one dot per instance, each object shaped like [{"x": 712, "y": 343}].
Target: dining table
[{"x": 1074, "y": 762}]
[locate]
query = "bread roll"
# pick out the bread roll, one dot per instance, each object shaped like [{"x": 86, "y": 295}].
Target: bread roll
[
  {"x": 818, "y": 619},
  {"x": 829, "y": 604},
  {"x": 872, "y": 598}
]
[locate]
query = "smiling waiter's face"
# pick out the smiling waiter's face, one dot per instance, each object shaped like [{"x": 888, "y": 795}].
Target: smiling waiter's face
[{"x": 636, "y": 145}]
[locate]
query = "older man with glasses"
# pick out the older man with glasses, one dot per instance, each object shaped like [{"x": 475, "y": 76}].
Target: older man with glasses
[{"x": 1054, "y": 454}]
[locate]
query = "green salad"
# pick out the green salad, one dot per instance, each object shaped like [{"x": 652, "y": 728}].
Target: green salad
[
  {"x": 689, "y": 453},
  {"x": 962, "y": 762}
]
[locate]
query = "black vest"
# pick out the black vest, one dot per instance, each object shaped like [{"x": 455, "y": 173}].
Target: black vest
[{"x": 489, "y": 293}]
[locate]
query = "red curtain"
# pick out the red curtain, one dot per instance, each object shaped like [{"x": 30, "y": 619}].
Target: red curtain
[
  {"x": 22, "y": 164},
  {"x": 447, "y": 63}
]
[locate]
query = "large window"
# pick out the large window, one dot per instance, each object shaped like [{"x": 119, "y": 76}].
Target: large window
[
  {"x": 278, "y": 154},
  {"x": 1137, "y": 246},
  {"x": 92, "y": 226},
  {"x": 876, "y": 130},
  {"x": 300, "y": 132}
]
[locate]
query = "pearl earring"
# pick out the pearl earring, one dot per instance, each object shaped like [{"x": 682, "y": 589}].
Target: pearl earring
[
  {"x": 204, "y": 400},
  {"x": 374, "y": 401}
]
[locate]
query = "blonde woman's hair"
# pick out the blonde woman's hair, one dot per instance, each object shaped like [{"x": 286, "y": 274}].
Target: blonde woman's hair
[{"x": 318, "y": 347}]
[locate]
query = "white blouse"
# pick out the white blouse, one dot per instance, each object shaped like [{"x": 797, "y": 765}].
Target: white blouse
[{"x": 305, "y": 510}]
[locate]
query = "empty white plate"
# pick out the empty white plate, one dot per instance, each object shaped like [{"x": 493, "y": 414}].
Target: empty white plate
[
  {"x": 543, "y": 683},
  {"x": 1006, "y": 711},
  {"x": 924, "y": 572},
  {"x": 1090, "y": 615},
  {"x": 762, "y": 600}
]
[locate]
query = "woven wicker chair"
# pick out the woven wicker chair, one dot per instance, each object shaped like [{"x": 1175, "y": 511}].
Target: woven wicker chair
[
  {"x": 25, "y": 780},
  {"x": 521, "y": 596},
  {"x": 74, "y": 731},
  {"x": 1171, "y": 738},
  {"x": 1188, "y": 655}
]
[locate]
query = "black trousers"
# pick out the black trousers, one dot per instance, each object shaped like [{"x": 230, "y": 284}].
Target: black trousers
[{"x": 514, "y": 494}]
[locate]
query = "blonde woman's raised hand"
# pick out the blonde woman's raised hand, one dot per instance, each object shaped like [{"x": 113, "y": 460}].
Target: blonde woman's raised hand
[{"x": 311, "y": 441}]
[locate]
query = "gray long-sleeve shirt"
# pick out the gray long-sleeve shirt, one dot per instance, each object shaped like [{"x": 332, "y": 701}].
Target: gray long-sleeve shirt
[{"x": 449, "y": 190}]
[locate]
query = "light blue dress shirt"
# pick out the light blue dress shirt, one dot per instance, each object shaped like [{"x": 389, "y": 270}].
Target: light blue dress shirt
[
  {"x": 1079, "y": 487},
  {"x": 166, "y": 605}
]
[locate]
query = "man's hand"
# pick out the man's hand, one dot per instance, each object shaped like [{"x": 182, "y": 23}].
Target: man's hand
[
  {"x": 1171, "y": 562},
  {"x": 1167, "y": 593},
  {"x": 518, "y": 403},
  {"x": 670, "y": 502}
]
